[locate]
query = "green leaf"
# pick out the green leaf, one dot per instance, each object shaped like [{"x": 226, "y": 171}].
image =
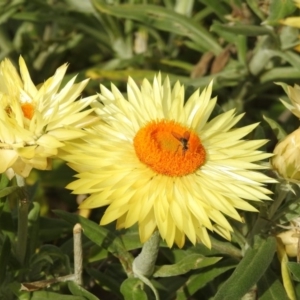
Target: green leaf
[
  {"x": 295, "y": 270},
  {"x": 52, "y": 228},
  {"x": 4, "y": 181},
  {"x": 32, "y": 16},
  {"x": 218, "y": 8},
  {"x": 284, "y": 73},
  {"x": 8, "y": 190},
  {"x": 168, "y": 286},
  {"x": 132, "y": 289},
  {"x": 279, "y": 9},
  {"x": 42, "y": 295},
  {"x": 97, "y": 253},
  {"x": 4, "y": 257},
  {"x": 218, "y": 248},
  {"x": 106, "y": 282},
  {"x": 289, "y": 56},
  {"x": 102, "y": 237},
  {"x": 254, "y": 5},
  {"x": 131, "y": 238},
  {"x": 163, "y": 19},
  {"x": 190, "y": 262},
  {"x": 77, "y": 290},
  {"x": 8, "y": 9},
  {"x": 248, "y": 272},
  {"x": 277, "y": 129},
  {"x": 47, "y": 255},
  {"x": 246, "y": 30},
  {"x": 241, "y": 46},
  {"x": 271, "y": 288},
  {"x": 219, "y": 29},
  {"x": 197, "y": 281}
]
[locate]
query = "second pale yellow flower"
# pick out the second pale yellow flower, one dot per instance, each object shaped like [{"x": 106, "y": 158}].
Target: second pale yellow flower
[{"x": 36, "y": 121}]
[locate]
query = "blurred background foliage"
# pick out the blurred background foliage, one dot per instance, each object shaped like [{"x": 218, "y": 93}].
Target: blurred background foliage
[{"x": 241, "y": 45}]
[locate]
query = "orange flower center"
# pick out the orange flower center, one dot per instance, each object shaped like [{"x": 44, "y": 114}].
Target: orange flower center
[
  {"x": 28, "y": 110},
  {"x": 169, "y": 148}
]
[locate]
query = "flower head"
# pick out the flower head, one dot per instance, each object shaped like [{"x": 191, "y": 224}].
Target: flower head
[
  {"x": 35, "y": 122},
  {"x": 160, "y": 163},
  {"x": 286, "y": 160}
]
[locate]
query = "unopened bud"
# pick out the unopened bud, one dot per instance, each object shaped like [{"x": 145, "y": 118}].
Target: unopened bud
[
  {"x": 290, "y": 241},
  {"x": 286, "y": 160}
]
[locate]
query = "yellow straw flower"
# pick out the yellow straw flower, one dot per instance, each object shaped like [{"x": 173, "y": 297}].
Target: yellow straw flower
[
  {"x": 35, "y": 122},
  {"x": 160, "y": 163}
]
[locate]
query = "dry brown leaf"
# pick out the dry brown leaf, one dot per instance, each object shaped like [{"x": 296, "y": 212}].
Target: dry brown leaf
[{"x": 202, "y": 66}]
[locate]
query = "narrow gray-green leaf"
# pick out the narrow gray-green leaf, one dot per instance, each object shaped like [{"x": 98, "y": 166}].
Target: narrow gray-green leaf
[
  {"x": 190, "y": 262},
  {"x": 163, "y": 19},
  {"x": 284, "y": 73},
  {"x": 247, "y": 30},
  {"x": 271, "y": 288},
  {"x": 203, "y": 277},
  {"x": 248, "y": 272}
]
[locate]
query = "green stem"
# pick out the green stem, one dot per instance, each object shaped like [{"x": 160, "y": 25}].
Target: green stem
[
  {"x": 77, "y": 253},
  {"x": 22, "y": 222}
]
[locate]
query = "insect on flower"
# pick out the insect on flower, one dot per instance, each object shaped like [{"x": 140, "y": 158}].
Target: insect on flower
[{"x": 184, "y": 140}]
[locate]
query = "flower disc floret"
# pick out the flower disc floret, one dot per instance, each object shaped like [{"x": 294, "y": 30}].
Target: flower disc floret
[{"x": 169, "y": 148}]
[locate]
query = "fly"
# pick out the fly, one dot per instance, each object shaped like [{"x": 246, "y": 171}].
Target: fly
[{"x": 184, "y": 140}]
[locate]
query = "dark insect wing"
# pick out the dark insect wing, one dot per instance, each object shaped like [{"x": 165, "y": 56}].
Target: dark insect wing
[
  {"x": 177, "y": 136},
  {"x": 186, "y": 136}
]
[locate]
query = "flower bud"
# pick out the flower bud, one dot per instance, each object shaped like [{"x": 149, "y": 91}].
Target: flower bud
[
  {"x": 290, "y": 241},
  {"x": 286, "y": 160}
]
